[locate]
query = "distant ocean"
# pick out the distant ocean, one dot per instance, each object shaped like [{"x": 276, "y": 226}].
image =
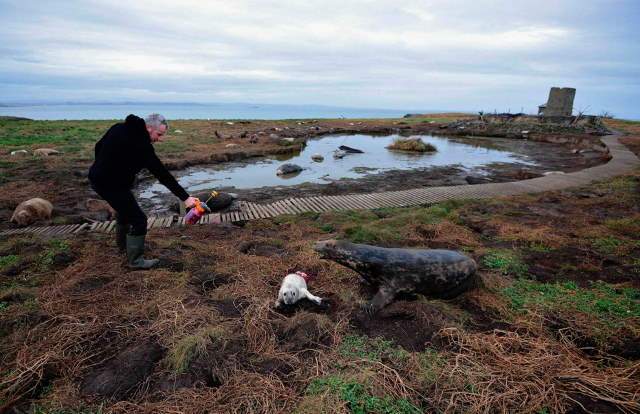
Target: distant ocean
[{"x": 196, "y": 111}]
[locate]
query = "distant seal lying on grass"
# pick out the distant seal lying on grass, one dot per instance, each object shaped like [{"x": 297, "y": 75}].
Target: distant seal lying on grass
[
  {"x": 438, "y": 273},
  {"x": 32, "y": 210}
]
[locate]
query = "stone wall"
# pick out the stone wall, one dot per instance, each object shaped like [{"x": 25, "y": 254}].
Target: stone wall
[{"x": 560, "y": 102}]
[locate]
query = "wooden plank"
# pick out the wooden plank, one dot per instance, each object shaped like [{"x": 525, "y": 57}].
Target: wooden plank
[
  {"x": 293, "y": 206},
  {"x": 82, "y": 227},
  {"x": 297, "y": 204},
  {"x": 272, "y": 211},
  {"x": 342, "y": 202},
  {"x": 150, "y": 221},
  {"x": 269, "y": 210},
  {"x": 111, "y": 226},
  {"x": 169, "y": 221},
  {"x": 262, "y": 212},
  {"x": 318, "y": 202},
  {"x": 320, "y": 206},
  {"x": 70, "y": 228},
  {"x": 364, "y": 202},
  {"x": 325, "y": 202},
  {"x": 279, "y": 208},
  {"x": 94, "y": 225},
  {"x": 305, "y": 203},
  {"x": 247, "y": 209},
  {"x": 59, "y": 230},
  {"x": 254, "y": 211},
  {"x": 215, "y": 218}
]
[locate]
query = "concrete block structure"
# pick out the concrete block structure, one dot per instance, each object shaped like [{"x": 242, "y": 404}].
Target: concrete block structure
[{"x": 560, "y": 102}]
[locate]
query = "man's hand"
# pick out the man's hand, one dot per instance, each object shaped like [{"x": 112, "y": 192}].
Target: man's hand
[{"x": 191, "y": 202}]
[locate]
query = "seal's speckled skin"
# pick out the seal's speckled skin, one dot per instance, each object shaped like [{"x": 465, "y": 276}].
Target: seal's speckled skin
[{"x": 438, "y": 273}]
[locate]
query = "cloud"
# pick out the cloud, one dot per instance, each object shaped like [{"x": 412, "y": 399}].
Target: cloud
[{"x": 377, "y": 53}]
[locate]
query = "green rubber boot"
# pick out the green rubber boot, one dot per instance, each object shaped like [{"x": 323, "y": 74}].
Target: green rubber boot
[
  {"x": 135, "y": 250},
  {"x": 121, "y": 237}
]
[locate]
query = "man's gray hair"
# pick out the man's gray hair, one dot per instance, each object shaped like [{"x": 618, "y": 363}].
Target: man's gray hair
[{"x": 155, "y": 120}]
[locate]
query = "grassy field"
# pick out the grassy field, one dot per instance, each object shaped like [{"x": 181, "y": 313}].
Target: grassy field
[{"x": 553, "y": 324}]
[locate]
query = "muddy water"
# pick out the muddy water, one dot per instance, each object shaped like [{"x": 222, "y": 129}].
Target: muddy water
[{"x": 376, "y": 159}]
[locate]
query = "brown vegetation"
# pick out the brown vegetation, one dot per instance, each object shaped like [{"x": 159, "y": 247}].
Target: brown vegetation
[{"x": 545, "y": 330}]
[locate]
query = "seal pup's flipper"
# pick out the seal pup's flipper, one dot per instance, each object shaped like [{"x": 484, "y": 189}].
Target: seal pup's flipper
[{"x": 304, "y": 293}]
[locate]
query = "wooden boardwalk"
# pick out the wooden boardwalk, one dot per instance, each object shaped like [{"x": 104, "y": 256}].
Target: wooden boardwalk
[{"x": 622, "y": 161}]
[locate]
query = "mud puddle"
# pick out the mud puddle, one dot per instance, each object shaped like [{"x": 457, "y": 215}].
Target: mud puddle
[{"x": 458, "y": 161}]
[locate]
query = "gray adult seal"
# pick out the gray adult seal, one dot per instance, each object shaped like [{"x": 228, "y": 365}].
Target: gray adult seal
[{"x": 442, "y": 274}]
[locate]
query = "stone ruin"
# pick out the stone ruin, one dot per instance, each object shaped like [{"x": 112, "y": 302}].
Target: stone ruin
[
  {"x": 554, "y": 118},
  {"x": 560, "y": 102}
]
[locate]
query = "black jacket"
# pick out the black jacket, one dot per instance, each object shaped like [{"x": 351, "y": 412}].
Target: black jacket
[{"x": 125, "y": 150}]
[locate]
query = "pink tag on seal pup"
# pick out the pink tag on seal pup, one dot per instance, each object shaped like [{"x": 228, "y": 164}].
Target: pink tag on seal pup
[{"x": 294, "y": 288}]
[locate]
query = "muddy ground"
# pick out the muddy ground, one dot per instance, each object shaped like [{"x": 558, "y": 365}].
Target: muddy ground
[
  {"x": 552, "y": 324},
  {"x": 62, "y": 180},
  {"x": 548, "y": 157}
]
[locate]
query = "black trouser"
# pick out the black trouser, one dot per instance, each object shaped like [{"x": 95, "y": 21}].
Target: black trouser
[{"x": 129, "y": 212}]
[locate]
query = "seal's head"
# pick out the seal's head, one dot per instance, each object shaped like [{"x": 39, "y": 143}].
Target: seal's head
[
  {"x": 22, "y": 218},
  {"x": 324, "y": 247},
  {"x": 290, "y": 295}
]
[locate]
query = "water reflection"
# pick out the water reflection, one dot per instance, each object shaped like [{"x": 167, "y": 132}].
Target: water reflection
[{"x": 375, "y": 159}]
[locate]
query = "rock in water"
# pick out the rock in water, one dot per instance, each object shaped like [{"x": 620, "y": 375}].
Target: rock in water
[
  {"x": 288, "y": 169},
  {"x": 438, "y": 273},
  {"x": 350, "y": 150},
  {"x": 317, "y": 157}
]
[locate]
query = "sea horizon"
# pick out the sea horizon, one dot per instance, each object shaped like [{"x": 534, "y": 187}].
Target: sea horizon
[{"x": 54, "y": 111}]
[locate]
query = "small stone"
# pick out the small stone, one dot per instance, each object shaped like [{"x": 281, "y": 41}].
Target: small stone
[
  {"x": 20, "y": 153},
  {"x": 317, "y": 157},
  {"x": 232, "y": 146},
  {"x": 285, "y": 169},
  {"x": 177, "y": 131}
]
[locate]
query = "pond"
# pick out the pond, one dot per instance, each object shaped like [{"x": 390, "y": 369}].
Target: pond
[{"x": 376, "y": 158}]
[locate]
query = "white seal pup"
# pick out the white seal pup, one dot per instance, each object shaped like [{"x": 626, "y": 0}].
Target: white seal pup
[{"x": 294, "y": 288}]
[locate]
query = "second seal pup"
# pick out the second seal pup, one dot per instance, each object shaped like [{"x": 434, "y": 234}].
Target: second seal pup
[
  {"x": 294, "y": 288},
  {"x": 32, "y": 210}
]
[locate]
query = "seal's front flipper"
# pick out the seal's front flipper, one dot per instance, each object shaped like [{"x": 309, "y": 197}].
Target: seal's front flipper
[{"x": 385, "y": 296}]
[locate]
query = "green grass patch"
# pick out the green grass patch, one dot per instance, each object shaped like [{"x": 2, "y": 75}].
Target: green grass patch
[
  {"x": 385, "y": 225},
  {"x": 432, "y": 365},
  {"x": 8, "y": 260},
  {"x": 357, "y": 398},
  {"x": 608, "y": 304},
  {"x": 506, "y": 262},
  {"x": 536, "y": 247},
  {"x": 71, "y": 135},
  {"x": 629, "y": 226},
  {"x": 48, "y": 409},
  {"x": 411, "y": 144},
  {"x": 372, "y": 349},
  {"x": 171, "y": 146}
]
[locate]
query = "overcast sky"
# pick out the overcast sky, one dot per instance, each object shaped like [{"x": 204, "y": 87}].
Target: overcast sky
[{"x": 427, "y": 54}]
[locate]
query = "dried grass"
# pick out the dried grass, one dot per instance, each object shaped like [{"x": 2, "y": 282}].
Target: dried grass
[{"x": 511, "y": 372}]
